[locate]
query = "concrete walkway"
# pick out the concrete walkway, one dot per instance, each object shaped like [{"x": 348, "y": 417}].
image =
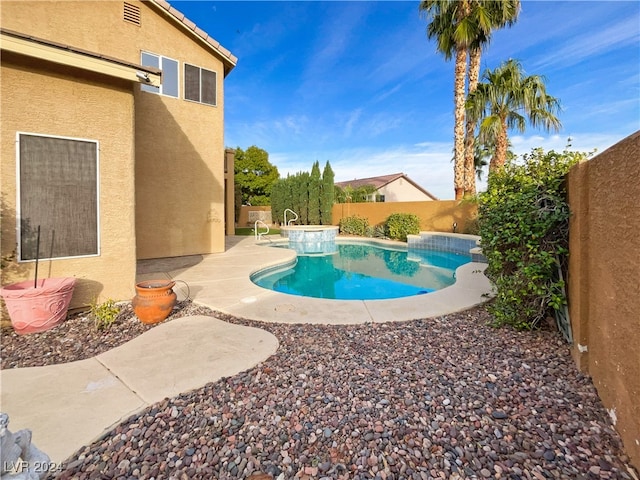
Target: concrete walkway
[{"x": 70, "y": 405}]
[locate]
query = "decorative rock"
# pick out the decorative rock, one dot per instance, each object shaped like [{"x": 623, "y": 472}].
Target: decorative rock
[{"x": 331, "y": 404}]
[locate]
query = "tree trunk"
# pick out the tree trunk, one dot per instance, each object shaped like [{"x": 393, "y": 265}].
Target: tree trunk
[
  {"x": 500, "y": 155},
  {"x": 459, "y": 116},
  {"x": 469, "y": 147}
]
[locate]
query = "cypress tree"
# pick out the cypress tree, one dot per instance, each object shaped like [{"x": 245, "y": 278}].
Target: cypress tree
[
  {"x": 327, "y": 194},
  {"x": 314, "y": 195},
  {"x": 303, "y": 197}
]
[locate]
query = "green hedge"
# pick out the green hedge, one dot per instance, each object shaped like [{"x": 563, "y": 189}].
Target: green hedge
[
  {"x": 524, "y": 225},
  {"x": 354, "y": 225}
]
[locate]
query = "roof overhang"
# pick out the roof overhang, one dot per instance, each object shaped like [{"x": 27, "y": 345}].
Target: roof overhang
[
  {"x": 228, "y": 59},
  {"x": 72, "y": 57}
]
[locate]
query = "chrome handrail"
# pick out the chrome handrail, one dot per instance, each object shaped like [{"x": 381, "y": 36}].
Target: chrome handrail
[
  {"x": 292, "y": 220},
  {"x": 258, "y": 235}
]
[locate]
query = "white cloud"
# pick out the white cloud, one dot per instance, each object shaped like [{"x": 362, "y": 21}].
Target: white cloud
[
  {"x": 351, "y": 121},
  {"x": 591, "y": 43},
  {"x": 427, "y": 163}
]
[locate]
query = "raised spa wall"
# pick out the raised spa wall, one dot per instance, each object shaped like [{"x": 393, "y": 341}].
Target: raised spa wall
[
  {"x": 309, "y": 239},
  {"x": 448, "y": 242}
]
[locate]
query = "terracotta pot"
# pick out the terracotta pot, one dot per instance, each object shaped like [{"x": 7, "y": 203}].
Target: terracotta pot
[
  {"x": 37, "y": 309},
  {"x": 154, "y": 300}
]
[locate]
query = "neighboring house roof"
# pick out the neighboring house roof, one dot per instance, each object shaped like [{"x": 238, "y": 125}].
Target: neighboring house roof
[
  {"x": 75, "y": 57},
  {"x": 228, "y": 58},
  {"x": 382, "y": 181}
]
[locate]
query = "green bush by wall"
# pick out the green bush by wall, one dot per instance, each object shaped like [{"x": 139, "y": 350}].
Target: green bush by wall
[
  {"x": 399, "y": 225},
  {"x": 524, "y": 225}
]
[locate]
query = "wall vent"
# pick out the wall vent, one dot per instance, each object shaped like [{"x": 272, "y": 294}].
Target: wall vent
[{"x": 132, "y": 13}]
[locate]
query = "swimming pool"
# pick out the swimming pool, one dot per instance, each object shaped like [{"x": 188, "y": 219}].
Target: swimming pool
[{"x": 358, "y": 271}]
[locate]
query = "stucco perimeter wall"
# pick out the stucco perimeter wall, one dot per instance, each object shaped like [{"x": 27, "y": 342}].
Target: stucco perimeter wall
[
  {"x": 249, "y": 215},
  {"x": 435, "y": 216},
  {"x": 49, "y": 100},
  {"x": 604, "y": 281}
]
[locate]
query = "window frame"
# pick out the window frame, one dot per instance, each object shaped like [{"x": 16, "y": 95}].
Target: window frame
[
  {"x": 19, "y": 203},
  {"x": 200, "y": 69},
  {"x": 160, "y": 89}
]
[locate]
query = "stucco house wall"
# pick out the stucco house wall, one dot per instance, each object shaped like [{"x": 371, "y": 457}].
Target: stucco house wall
[
  {"x": 180, "y": 173},
  {"x": 162, "y": 178},
  {"x": 37, "y": 98},
  {"x": 401, "y": 190},
  {"x": 396, "y": 187},
  {"x": 179, "y": 144}
]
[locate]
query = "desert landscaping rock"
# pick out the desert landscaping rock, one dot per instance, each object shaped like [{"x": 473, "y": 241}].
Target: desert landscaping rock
[
  {"x": 77, "y": 338},
  {"x": 447, "y": 397}
]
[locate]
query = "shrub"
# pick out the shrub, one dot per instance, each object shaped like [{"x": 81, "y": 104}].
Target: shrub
[
  {"x": 354, "y": 225},
  {"x": 376, "y": 231},
  {"x": 524, "y": 225},
  {"x": 104, "y": 314},
  {"x": 399, "y": 225}
]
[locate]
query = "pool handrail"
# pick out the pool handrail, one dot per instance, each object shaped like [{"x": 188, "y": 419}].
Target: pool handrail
[
  {"x": 258, "y": 235},
  {"x": 291, "y": 220}
]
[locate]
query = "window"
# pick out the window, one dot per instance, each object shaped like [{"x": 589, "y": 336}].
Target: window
[
  {"x": 58, "y": 192},
  {"x": 169, "y": 69},
  {"x": 199, "y": 85}
]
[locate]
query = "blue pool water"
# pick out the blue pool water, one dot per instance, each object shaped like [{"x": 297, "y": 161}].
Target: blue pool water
[{"x": 364, "y": 272}]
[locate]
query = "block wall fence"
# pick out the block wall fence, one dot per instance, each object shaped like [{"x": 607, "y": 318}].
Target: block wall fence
[
  {"x": 604, "y": 281},
  {"x": 435, "y": 216}
]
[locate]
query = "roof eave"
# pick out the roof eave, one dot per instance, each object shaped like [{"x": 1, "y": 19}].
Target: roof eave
[
  {"x": 27, "y": 45},
  {"x": 228, "y": 59}
]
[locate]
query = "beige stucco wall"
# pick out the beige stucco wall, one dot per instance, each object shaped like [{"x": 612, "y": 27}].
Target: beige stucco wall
[
  {"x": 179, "y": 145},
  {"x": 436, "y": 216},
  {"x": 604, "y": 281},
  {"x": 400, "y": 190},
  {"x": 38, "y": 97},
  {"x": 179, "y": 156}
]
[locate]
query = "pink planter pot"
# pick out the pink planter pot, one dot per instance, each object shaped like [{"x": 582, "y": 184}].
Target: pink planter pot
[{"x": 38, "y": 309}]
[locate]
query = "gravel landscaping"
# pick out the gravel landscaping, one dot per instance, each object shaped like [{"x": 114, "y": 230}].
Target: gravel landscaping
[
  {"x": 447, "y": 397},
  {"x": 77, "y": 338}
]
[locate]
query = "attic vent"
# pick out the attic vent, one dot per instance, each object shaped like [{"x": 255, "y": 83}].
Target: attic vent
[{"x": 132, "y": 13}]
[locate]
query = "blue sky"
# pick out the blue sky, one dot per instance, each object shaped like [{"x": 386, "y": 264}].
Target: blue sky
[{"x": 358, "y": 83}]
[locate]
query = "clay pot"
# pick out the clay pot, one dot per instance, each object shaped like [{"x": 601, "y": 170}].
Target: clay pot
[
  {"x": 38, "y": 308},
  {"x": 154, "y": 300}
]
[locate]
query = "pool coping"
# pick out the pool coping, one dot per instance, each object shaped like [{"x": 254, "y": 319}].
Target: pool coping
[{"x": 222, "y": 282}]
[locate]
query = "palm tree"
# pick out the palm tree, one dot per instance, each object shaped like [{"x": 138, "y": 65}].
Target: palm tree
[
  {"x": 506, "y": 100},
  {"x": 458, "y": 26},
  {"x": 500, "y": 13},
  {"x": 446, "y": 17}
]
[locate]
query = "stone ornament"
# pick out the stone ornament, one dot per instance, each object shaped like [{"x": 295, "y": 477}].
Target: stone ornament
[{"x": 21, "y": 460}]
